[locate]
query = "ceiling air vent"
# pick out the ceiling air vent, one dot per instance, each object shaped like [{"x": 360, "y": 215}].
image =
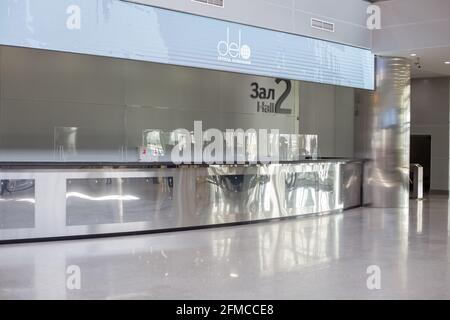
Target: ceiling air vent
[
  {"x": 217, "y": 3},
  {"x": 322, "y": 25}
]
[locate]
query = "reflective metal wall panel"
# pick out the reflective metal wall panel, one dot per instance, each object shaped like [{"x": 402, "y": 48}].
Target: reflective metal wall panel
[
  {"x": 119, "y": 200},
  {"x": 301, "y": 191},
  {"x": 233, "y": 198},
  {"x": 17, "y": 201},
  {"x": 329, "y": 188},
  {"x": 316, "y": 189},
  {"x": 382, "y": 133},
  {"x": 351, "y": 184},
  {"x": 46, "y": 203}
]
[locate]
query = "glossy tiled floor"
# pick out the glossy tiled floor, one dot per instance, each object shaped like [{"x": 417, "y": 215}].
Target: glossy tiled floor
[{"x": 315, "y": 257}]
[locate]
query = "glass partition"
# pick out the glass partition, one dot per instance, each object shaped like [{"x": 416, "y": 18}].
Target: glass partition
[
  {"x": 75, "y": 144},
  {"x": 157, "y": 146},
  {"x": 93, "y": 109}
]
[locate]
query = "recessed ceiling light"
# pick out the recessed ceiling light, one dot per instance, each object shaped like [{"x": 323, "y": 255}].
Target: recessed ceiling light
[
  {"x": 413, "y": 54},
  {"x": 447, "y": 62}
]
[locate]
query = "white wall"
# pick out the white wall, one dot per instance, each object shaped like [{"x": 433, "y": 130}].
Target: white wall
[
  {"x": 412, "y": 25},
  {"x": 112, "y": 101},
  {"x": 329, "y": 112},
  {"x": 293, "y": 16},
  {"x": 426, "y": 95}
]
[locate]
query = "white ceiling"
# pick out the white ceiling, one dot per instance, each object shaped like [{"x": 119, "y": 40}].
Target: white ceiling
[
  {"x": 416, "y": 26},
  {"x": 432, "y": 61}
]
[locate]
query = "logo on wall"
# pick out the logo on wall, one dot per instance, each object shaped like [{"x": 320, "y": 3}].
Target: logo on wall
[
  {"x": 265, "y": 97},
  {"x": 232, "y": 49}
]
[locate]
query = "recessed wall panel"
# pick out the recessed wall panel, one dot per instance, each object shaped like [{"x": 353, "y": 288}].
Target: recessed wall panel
[
  {"x": 17, "y": 203},
  {"x": 119, "y": 200}
]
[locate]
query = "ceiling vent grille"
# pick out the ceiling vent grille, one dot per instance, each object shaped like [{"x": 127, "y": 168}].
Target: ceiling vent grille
[
  {"x": 217, "y": 3},
  {"x": 322, "y": 25}
]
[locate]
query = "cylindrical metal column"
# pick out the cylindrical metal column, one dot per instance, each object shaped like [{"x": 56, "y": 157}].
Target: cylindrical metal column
[{"x": 383, "y": 133}]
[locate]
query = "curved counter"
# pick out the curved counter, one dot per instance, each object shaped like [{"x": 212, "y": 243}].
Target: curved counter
[{"x": 49, "y": 201}]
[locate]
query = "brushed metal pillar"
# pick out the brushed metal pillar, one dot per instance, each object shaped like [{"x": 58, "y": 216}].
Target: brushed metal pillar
[{"x": 382, "y": 133}]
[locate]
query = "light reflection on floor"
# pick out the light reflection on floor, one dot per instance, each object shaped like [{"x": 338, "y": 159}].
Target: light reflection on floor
[{"x": 314, "y": 257}]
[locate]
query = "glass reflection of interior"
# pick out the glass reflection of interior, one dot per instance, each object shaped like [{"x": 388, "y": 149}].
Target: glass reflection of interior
[
  {"x": 17, "y": 204},
  {"x": 313, "y": 191},
  {"x": 119, "y": 200},
  {"x": 232, "y": 194},
  {"x": 301, "y": 190}
]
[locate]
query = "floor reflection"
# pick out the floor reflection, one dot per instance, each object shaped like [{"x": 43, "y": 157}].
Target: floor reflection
[{"x": 309, "y": 257}]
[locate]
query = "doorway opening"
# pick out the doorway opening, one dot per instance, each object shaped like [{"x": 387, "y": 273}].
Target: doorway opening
[{"x": 420, "y": 153}]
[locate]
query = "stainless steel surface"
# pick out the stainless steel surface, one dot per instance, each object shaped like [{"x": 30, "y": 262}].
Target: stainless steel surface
[
  {"x": 233, "y": 197},
  {"x": 352, "y": 184},
  {"x": 17, "y": 203},
  {"x": 382, "y": 132},
  {"x": 119, "y": 200},
  {"x": 69, "y": 202},
  {"x": 417, "y": 181}
]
